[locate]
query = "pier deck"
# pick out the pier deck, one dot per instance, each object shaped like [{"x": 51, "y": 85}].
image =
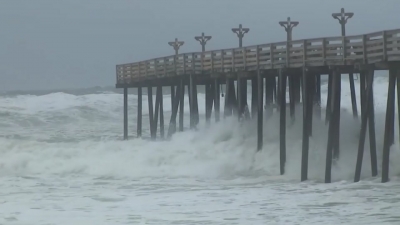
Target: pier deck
[
  {"x": 349, "y": 52},
  {"x": 272, "y": 68}
]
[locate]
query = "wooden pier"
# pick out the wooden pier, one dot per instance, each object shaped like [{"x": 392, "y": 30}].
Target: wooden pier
[{"x": 273, "y": 68}]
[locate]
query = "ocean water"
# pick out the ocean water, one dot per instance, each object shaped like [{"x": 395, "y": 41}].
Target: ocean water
[{"x": 62, "y": 161}]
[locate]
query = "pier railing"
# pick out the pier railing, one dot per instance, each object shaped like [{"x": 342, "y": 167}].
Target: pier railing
[{"x": 348, "y": 50}]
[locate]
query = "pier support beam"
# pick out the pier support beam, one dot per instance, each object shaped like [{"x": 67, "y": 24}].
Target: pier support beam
[
  {"x": 172, "y": 123},
  {"x": 254, "y": 96},
  {"x": 389, "y": 124},
  {"x": 317, "y": 96},
  {"x": 181, "y": 95},
  {"x": 367, "y": 117},
  {"x": 270, "y": 93},
  {"x": 329, "y": 99},
  {"x": 231, "y": 107},
  {"x": 353, "y": 95},
  {"x": 161, "y": 108},
  {"x": 240, "y": 99},
  {"x": 151, "y": 115},
  {"x": 193, "y": 103},
  {"x": 308, "y": 86},
  {"x": 125, "y": 113},
  {"x": 196, "y": 104},
  {"x": 209, "y": 88},
  {"x": 217, "y": 100},
  {"x": 172, "y": 96},
  {"x": 158, "y": 112},
  {"x": 332, "y": 150},
  {"x": 282, "y": 120},
  {"x": 259, "y": 83},
  {"x": 292, "y": 95}
]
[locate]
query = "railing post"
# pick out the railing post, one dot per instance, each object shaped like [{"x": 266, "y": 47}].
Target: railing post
[
  {"x": 271, "y": 55},
  {"x": 287, "y": 54},
  {"x": 324, "y": 51},
  {"x": 233, "y": 60},
  {"x": 222, "y": 60},
  {"x": 184, "y": 64},
  {"x": 384, "y": 43},
  {"x": 365, "y": 49},
  {"x": 165, "y": 65},
  {"x": 212, "y": 62},
  {"x": 244, "y": 57},
  {"x": 155, "y": 67},
  {"x": 344, "y": 49}
]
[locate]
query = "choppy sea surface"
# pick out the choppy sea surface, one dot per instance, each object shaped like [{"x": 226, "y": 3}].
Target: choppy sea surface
[{"x": 63, "y": 161}]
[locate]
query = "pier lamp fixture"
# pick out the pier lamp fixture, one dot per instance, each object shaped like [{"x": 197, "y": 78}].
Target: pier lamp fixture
[
  {"x": 240, "y": 33},
  {"x": 176, "y": 44},
  {"x": 289, "y": 25},
  {"x": 203, "y": 40},
  {"x": 342, "y": 17}
]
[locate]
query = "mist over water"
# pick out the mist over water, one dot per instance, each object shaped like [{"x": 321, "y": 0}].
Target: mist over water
[{"x": 60, "y": 139}]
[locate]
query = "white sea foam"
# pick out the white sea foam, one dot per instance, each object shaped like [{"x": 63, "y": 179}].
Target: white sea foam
[{"x": 67, "y": 149}]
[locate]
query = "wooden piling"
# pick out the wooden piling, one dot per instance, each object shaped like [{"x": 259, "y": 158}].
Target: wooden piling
[
  {"x": 329, "y": 99},
  {"x": 156, "y": 111},
  {"x": 371, "y": 127},
  {"x": 239, "y": 88},
  {"x": 310, "y": 85},
  {"x": 317, "y": 96},
  {"x": 217, "y": 100},
  {"x": 332, "y": 145},
  {"x": 151, "y": 115},
  {"x": 292, "y": 95},
  {"x": 208, "y": 102},
  {"x": 228, "y": 102},
  {"x": 196, "y": 104},
  {"x": 270, "y": 86},
  {"x": 353, "y": 95},
  {"x": 389, "y": 123},
  {"x": 233, "y": 98},
  {"x": 254, "y": 96},
  {"x": 282, "y": 121},
  {"x": 181, "y": 103},
  {"x": 139, "y": 113},
  {"x": 260, "y": 107},
  {"x": 306, "y": 117},
  {"x": 245, "y": 109},
  {"x": 212, "y": 98},
  {"x": 364, "y": 120},
  {"x": 173, "y": 94},
  {"x": 161, "y": 108},
  {"x": 172, "y": 123},
  {"x": 362, "y": 90},
  {"x": 336, "y": 109},
  {"x": 191, "y": 101},
  {"x": 125, "y": 113}
]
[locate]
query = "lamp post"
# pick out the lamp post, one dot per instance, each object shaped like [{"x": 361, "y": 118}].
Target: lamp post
[
  {"x": 288, "y": 25},
  {"x": 203, "y": 41},
  {"x": 342, "y": 17},
  {"x": 176, "y": 45},
  {"x": 240, "y": 33}
]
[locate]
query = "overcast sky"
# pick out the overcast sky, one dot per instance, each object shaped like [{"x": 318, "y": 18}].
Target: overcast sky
[{"x": 77, "y": 43}]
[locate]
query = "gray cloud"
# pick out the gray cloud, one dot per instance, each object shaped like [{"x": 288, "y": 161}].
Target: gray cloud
[{"x": 60, "y": 44}]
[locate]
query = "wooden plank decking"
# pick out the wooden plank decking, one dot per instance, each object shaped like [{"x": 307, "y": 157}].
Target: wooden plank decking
[{"x": 383, "y": 46}]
